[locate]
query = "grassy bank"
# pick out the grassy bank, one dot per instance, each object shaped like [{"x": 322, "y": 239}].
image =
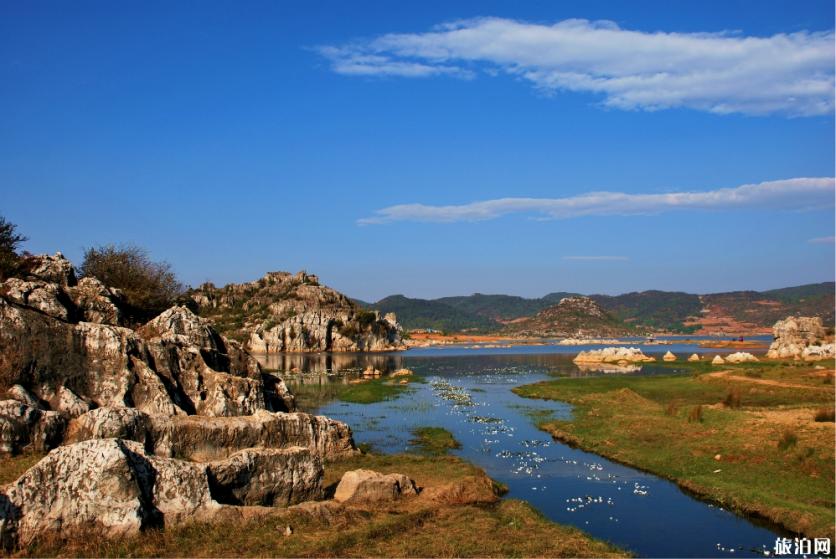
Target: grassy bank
[
  {"x": 434, "y": 441},
  {"x": 450, "y": 518},
  {"x": 745, "y": 436}
]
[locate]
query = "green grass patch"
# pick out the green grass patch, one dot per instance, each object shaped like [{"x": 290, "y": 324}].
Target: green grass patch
[
  {"x": 750, "y": 443},
  {"x": 434, "y": 440}
]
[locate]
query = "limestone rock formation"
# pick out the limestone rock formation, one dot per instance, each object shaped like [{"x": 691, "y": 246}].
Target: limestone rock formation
[
  {"x": 267, "y": 477},
  {"x": 801, "y": 338},
  {"x": 112, "y": 485},
  {"x": 613, "y": 355},
  {"x": 718, "y": 360},
  {"x": 23, "y": 426},
  {"x": 740, "y": 357},
  {"x": 669, "y": 356},
  {"x": 694, "y": 357},
  {"x": 367, "y": 486},
  {"x": 213, "y": 438},
  {"x": 572, "y": 317},
  {"x": 284, "y": 312},
  {"x": 129, "y": 406}
]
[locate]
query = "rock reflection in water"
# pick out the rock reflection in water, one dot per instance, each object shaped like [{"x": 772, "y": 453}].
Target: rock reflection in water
[{"x": 330, "y": 363}]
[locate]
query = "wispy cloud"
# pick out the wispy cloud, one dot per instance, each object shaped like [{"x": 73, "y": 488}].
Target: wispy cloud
[
  {"x": 789, "y": 194},
  {"x": 595, "y": 258},
  {"x": 823, "y": 240},
  {"x": 789, "y": 73}
]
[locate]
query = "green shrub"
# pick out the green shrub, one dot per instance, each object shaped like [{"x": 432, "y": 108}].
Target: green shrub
[
  {"x": 149, "y": 287},
  {"x": 9, "y": 241}
]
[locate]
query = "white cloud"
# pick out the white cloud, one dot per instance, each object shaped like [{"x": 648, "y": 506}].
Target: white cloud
[
  {"x": 823, "y": 240},
  {"x": 595, "y": 258},
  {"x": 789, "y": 194},
  {"x": 788, "y": 73}
]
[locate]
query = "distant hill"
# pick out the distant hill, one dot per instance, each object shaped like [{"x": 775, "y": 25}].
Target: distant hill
[
  {"x": 572, "y": 317},
  {"x": 657, "y": 311},
  {"x": 423, "y": 313}
]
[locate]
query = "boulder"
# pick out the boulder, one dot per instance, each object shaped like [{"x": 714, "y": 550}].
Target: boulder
[
  {"x": 669, "y": 356},
  {"x": 800, "y": 338},
  {"x": 109, "y": 485},
  {"x": 402, "y": 373},
  {"x": 718, "y": 360},
  {"x": 367, "y": 486},
  {"x": 267, "y": 477},
  {"x": 613, "y": 355},
  {"x": 50, "y": 268},
  {"x": 740, "y": 357},
  {"x": 694, "y": 357},
  {"x": 97, "y": 303},
  {"x": 26, "y": 427}
]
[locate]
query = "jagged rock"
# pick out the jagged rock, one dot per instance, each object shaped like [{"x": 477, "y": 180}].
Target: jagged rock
[
  {"x": 669, "y": 356},
  {"x": 106, "y": 484},
  {"x": 267, "y": 477},
  {"x": 613, "y": 355},
  {"x": 740, "y": 357},
  {"x": 51, "y": 269},
  {"x": 107, "y": 366},
  {"x": 800, "y": 337},
  {"x": 212, "y": 438},
  {"x": 17, "y": 392},
  {"x": 39, "y": 295},
  {"x": 367, "y": 486},
  {"x": 694, "y": 357},
  {"x": 111, "y": 423},
  {"x": 818, "y": 352},
  {"x": 23, "y": 426},
  {"x": 96, "y": 302},
  {"x": 718, "y": 360},
  {"x": 294, "y": 313},
  {"x": 63, "y": 400}
]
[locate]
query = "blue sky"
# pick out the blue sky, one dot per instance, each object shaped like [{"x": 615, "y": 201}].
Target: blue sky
[{"x": 353, "y": 140}]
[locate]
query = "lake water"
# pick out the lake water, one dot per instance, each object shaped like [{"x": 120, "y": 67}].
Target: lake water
[{"x": 468, "y": 392}]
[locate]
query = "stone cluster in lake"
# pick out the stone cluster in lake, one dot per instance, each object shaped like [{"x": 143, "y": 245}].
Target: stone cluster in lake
[
  {"x": 801, "y": 338},
  {"x": 147, "y": 427},
  {"x": 284, "y": 312},
  {"x": 572, "y": 317}
]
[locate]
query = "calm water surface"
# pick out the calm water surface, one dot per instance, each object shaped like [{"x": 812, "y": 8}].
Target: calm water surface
[{"x": 468, "y": 392}]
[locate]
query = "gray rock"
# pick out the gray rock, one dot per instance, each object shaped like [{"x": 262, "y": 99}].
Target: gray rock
[
  {"x": 26, "y": 427},
  {"x": 267, "y": 477},
  {"x": 367, "y": 486}
]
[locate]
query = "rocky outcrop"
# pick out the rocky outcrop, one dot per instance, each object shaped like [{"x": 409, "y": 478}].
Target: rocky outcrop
[
  {"x": 367, "y": 486},
  {"x": 212, "y": 438},
  {"x": 114, "y": 487},
  {"x": 613, "y": 355},
  {"x": 801, "y": 338},
  {"x": 572, "y": 317},
  {"x": 741, "y": 357},
  {"x": 284, "y": 312},
  {"x": 24, "y": 426},
  {"x": 718, "y": 360},
  {"x": 669, "y": 356},
  {"x": 267, "y": 477},
  {"x": 694, "y": 357},
  {"x": 163, "y": 424}
]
